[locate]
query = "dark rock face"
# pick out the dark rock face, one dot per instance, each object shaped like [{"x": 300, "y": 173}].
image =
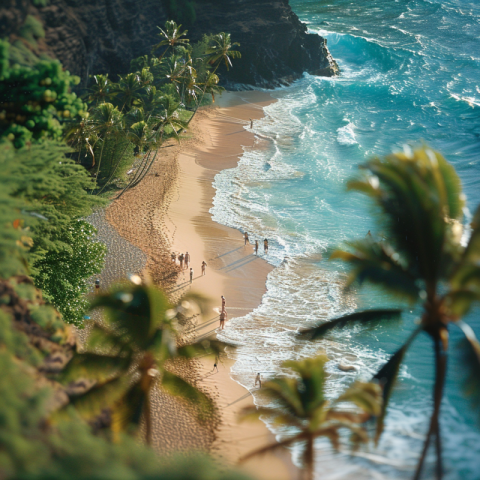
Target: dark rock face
[
  {"x": 102, "y": 36},
  {"x": 274, "y": 44}
]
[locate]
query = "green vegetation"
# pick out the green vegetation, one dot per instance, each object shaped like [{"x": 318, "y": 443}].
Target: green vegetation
[
  {"x": 36, "y": 443},
  {"x": 35, "y": 100},
  {"x": 45, "y": 195},
  {"x": 134, "y": 117},
  {"x": 421, "y": 201},
  {"x": 131, "y": 352},
  {"x": 63, "y": 275},
  {"x": 45, "y": 237},
  {"x": 301, "y": 405}
]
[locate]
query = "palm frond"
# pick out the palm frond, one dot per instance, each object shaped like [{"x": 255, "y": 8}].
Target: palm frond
[
  {"x": 469, "y": 351},
  {"x": 367, "y": 396},
  {"x": 387, "y": 377},
  {"x": 100, "y": 396},
  {"x": 365, "y": 316},
  {"x": 285, "y": 391},
  {"x": 178, "y": 387},
  {"x": 459, "y": 302},
  {"x": 418, "y": 224},
  {"x": 377, "y": 263},
  {"x": 128, "y": 412},
  {"x": 94, "y": 366},
  {"x": 312, "y": 379}
]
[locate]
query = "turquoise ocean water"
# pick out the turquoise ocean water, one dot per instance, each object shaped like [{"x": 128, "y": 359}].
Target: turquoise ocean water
[{"x": 410, "y": 71}]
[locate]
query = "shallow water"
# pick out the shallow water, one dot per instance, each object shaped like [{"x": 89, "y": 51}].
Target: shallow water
[{"x": 410, "y": 72}]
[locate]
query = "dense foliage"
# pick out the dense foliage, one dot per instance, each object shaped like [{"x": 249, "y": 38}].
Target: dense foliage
[
  {"x": 37, "y": 443},
  {"x": 42, "y": 234},
  {"x": 35, "y": 101},
  {"x": 64, "y": 274},
  {"x": 154, "y": 102},
  {"x": 131, "y": 352}
]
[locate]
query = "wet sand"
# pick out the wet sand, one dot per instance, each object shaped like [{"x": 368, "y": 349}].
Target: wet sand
[{"x": 169, "y": 211}]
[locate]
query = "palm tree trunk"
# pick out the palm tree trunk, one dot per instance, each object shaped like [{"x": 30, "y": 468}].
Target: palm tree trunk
[
  {"x": 203, "y": 94},
  {"x": 146, "y": 171},
  {"x": 100, "y": 161},
  {"x": 114, "y": 170},
  {"x": 309, "y": 459},
  {"x": 434, "y": 429},
  {"x": 140, "y": 170}
]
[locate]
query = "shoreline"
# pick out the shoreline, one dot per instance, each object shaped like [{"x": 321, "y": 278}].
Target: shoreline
[{"x": 168, "y": 212}]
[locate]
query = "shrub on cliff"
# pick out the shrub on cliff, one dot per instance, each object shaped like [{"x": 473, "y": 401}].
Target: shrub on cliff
[
  {"x": 35, "y": 102},
  {"x": 43, "y": 196}
]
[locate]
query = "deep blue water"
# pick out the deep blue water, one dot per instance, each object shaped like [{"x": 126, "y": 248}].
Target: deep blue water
[{"x": 410, "y": 72}]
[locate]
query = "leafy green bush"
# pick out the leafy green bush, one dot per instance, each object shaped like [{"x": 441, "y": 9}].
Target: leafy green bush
[
  {"x": 35, "y": 101},
  {"x": 64, "y": 275}
]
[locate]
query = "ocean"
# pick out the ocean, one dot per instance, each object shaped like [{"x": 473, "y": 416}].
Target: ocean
[{"x": 410, "y": 73}]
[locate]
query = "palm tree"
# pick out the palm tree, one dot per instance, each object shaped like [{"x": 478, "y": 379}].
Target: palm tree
[
  {"x": 81, "y": 136},
  {"x": 220, "y": 50},
  {"x": 301, "y": 405},
  {"x": 131, "y": 352},
  {"x": 101, "y": 91},
  {"x": 420, "y": 197},
  {"x": 212, "y": 87},
  {"x": 107, "y": 122},
  {"x": 170, "y": 37},
  {"x": 129, "y": 89}
]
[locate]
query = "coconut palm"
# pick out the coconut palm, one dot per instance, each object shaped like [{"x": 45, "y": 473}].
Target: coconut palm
[
  {"x": 171, "y": 37},
  {"x": 107, "y": 122},
  {"x": 152, "y": 101},
  {"x": 301, "y": 405},
  {"x": 129, "y": 89},
  {"x": 220, "y": 50},
  {"x": 101, "y": 90},
  {"x": 81, "y": 136},
  {"x": 211, "y": 86},
  {"x": 420, "y": 197},
  {"x": 131, "y": 352},
  {"x": 179, "y": 72}
]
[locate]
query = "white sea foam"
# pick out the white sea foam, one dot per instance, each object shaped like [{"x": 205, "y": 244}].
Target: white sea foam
[{"x": 346, "y": 135}]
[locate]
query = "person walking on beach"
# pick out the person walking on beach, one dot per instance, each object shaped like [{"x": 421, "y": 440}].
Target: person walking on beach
[
  {"x": 187, "y": 260},
  {"x": 251, "y": 123},
  {"x": 245, "y": 236},
  {"x": 204, "y": 267},
  {"x": 174, "y": 257},
  {"x": 224, "y": 302},
  {"x": 258, "y": 380},
  {"x": 215, "y": 366},
  {"x": 223, "y": 317},
  {"x": 180, "y": 259},
  {"x": 191, "y": 275},
  {"x": 265, "y": 246},
  {"x": 256, "y": 247}
]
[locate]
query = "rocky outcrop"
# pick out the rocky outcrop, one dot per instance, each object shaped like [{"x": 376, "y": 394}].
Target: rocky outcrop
[
  {"x": 276, "y": 48},
  {"x": 102, "y": 36}
]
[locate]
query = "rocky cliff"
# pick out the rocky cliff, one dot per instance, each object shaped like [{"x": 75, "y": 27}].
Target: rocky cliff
[{"x": 102, "y": 36}]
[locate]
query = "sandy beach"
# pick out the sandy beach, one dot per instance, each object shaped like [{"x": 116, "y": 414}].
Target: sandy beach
[{"x": 169, "y": 211}]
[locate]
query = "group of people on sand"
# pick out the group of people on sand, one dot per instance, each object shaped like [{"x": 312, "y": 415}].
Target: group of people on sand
[
  {"x": 265, "y": 243},
  {"x": 184, "y": 261}
]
